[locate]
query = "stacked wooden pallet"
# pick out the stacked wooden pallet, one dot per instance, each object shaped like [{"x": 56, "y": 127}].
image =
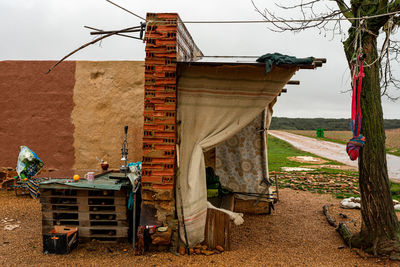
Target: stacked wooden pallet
[{"x": 99, "y": 214}]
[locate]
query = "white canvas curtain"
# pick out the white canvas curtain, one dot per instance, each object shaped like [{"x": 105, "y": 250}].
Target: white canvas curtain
[{"x": 214, "y": 103}]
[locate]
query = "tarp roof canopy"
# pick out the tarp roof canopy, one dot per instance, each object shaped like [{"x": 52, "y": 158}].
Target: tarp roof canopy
[{"x": 215, "y": 101}]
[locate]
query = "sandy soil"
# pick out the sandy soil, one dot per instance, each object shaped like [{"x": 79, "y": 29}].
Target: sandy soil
[
  {"x": 307, "y": 159},
  {"x": 296, "y": 234},
  {"x": 319, "y": 162},
  {"x": 332, "y": 151},
  {"x": 329, "y": 166}
]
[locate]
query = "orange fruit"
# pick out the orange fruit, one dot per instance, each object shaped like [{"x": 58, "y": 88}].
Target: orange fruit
[{"x": 76, "y": 177}]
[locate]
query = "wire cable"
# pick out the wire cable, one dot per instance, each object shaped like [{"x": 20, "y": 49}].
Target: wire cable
[
  {"x": 277, "y": 21},
  {"x": 126, "y": 10}
]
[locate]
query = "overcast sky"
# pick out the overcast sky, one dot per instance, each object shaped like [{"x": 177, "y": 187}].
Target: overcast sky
[{"x": 49, "y": 29}]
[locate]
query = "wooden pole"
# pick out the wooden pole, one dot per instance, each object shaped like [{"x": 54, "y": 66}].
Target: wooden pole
[
  {"x": 119, "y": 34},
  {"x": 85, "y": 45}
]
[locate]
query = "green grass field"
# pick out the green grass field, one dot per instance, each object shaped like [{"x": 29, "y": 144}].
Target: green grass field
[
  {"x": 279, "y": 151},
  {"x": 316, "y": 180}
]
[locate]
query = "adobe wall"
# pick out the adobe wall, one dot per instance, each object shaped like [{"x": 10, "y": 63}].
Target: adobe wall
[
  {"x": 107, "y": 96},
  {"x": 35, "y": 111},
  {"x": 72, "y": 115}
]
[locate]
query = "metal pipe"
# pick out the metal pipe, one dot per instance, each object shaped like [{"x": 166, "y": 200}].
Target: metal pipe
[
  {"x": 134, "y": 222},
  {"x": 134, "y": 214}
]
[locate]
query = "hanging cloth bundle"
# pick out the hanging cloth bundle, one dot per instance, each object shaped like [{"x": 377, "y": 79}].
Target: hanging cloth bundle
[
  {"x": 357, "y": 142},
  {"x": 28, "y": 165}
]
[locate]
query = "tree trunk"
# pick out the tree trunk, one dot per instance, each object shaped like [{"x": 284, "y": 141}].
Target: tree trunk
[{"x": 379, "y": 222}]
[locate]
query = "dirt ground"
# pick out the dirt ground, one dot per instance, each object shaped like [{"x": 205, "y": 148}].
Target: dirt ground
[
  {"x": 307, "y": 159},
  {"x": 296, "y": 234}
]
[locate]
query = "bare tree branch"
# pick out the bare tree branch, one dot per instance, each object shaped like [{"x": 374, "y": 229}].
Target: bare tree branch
[
  {"x": 329, "y": 21},
  {"x": 87, "y": 44},
  {"x": 346, "y": 11}
]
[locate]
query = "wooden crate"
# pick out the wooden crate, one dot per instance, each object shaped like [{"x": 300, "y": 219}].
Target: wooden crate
[
  {"x": 60, "y": 240},
  {"x": 218, "y": 229},
  {"x": 247, "y": 206},
  {"x": 98, "y": 214}
]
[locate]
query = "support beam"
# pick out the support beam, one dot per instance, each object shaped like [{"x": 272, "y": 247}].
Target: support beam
[
  {"x": 294, "y": 82},
  {"x": 284, "y": 90},
  {"x": 323, "y": 60}
]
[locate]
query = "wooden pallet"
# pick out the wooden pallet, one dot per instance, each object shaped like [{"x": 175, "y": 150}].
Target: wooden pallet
[{"x": 98, "y": 214}]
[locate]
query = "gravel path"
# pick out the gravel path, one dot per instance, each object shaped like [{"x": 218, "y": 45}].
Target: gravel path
[
  {"x": 333, "y": 151},
  {"x": 296, "y": 234}
]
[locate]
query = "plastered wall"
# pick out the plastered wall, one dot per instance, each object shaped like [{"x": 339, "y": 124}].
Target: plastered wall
[
  {"x": 107, "y": 96},
  {"x": 72, "y": 115},
  {"x": 35, "y": 110}
]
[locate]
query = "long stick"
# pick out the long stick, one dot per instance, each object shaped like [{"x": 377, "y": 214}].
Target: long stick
[
  {"x": 126, "y": 10},
  {"x": 85, "y": 45},
  {"x": 264, "y": 157},
  {"x": 119, "y": 34},
  {"x": 107, "y": 32}
]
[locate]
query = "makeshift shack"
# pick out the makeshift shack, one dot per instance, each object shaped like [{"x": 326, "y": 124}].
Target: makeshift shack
[
  {"x": 203, "y": 144},
  {"x": 194, "y": 104}
]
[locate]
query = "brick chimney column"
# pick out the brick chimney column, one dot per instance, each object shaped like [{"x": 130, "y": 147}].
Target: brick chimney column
[{"x": 159, "y": 140}]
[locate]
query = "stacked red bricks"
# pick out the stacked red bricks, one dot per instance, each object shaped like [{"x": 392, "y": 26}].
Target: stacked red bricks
[
  {"x": 167, "y": 42},
  {"x": 159, "y": 141}
]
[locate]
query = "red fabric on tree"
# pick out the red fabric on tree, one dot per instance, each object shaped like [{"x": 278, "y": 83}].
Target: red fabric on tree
[{"x": 354, "y": 145}]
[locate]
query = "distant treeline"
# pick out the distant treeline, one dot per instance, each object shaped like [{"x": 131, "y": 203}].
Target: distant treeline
[{"x": 282, "y": 123}]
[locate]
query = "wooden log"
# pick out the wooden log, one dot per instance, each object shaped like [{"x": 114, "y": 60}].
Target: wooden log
[
  {"x": 345, "y": 233},
  {"x": 331, "y": 221}
]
